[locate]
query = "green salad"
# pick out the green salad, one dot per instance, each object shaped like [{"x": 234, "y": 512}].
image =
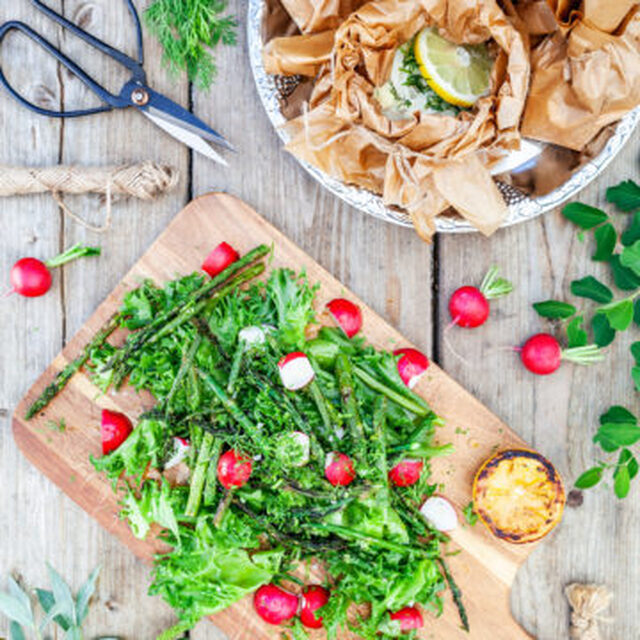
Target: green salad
[{"x": 271, "y": 457}]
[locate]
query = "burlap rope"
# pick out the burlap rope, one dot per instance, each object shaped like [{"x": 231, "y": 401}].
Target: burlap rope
[
  {"x": 587, "y": 602},
  {"x": 146, "y": 181}
]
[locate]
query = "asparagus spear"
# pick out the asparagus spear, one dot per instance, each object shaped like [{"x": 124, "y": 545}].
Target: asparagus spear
[
  {"x": 344, "y": 371},
  {"x": 199, "y": 475},
  {"x": 456, "y": 593},
  {"x": 211, "y": 483},
  {"x": 403, "y": 401},
  {"x": 63, "y": 377}
]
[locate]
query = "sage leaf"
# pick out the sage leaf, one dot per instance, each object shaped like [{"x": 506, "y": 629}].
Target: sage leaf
[
  {"x": 16, "y": 632},
  {"x": 630, "y": 257},
  {"x": 14, "y": 609},
  {"x": 621, "y": 482},
  {"x": 62, "y": 595},
  {"x": 606, "y": 239},
  {"x": 619, "y": 314},
  {"x": 632, "y": 233},
  {"x": 623, "y": 434},
  {"x": 554, "y": 309},
  {"x": 590, "y": 478},
  {"x": 576, "y": 335},
  {"x": 47, "y": 601},
  {"x": 583, "y": 215},
  {"x": 626, "y": 195},
  {"x": 53, "y": 612},
  {"x": 593, "y": 289},
  {"x": 17, "y": 592},
  {"x": 84, "y": 595},
  {"x": 603, "y": 334},
  {"x": 624, "y": 277}
]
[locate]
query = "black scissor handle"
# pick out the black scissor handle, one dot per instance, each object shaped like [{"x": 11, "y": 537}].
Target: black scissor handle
[{"x": 107, "y": 97}]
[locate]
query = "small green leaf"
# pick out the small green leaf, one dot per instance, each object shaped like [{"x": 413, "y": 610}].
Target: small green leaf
[
  {"x": 554, "y": 309},
  {"x": 618, "y": 415},
  {"x": 14, "y": 609},
  {"x": 622, "y": 482},
  {"x": 630, "y": 257},
  {"x": 619, "y": 314},
  {"x": 620, "y": 433},
  {"x": 47, "y": 601},
  {"x": 84, "y": 595},
  {"x": 626, "y": 195},
  {"x": 603, "y": 334},
  {"x": 627, "y": 458},
  {"x": 576, "y": 335},
  {"x": 583, "y": 215},
  {"x": 16, "y": 632},
  {"x": 62, "y": 595},
  {"x": 589, "y": 478},
  {"x": 470, "y": 515},
  {"x": 606, "y": 239},
  {"x": 632, "y": 232},
  {"x": 635, "y": 375},
  {"x": 593, "y": 289},
  {"x": 624, "y": 278},
  {"x": 17, "y": 592}
]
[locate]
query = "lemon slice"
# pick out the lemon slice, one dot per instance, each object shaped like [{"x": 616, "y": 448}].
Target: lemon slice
[{"x": 459, "y": 74}]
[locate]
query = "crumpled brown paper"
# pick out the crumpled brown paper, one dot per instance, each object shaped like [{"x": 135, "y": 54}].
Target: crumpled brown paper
[{"x": 586, "y": 74}]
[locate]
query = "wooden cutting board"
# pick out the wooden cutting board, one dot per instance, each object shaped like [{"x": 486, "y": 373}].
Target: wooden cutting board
[{"x": 486, "y": 567}]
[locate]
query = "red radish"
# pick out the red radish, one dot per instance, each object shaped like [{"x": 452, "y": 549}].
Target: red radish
[
  {"x": 409, "y": 618},
  {"x": 275, "y": 605},
  {"x": 313, "y": 597},
  {"x": 411, "y": 365},
  {"x": 115, "y": 429},
  {"x": 181, "y": 448},
  {"x": 219, "y": 259},
  {"x": 234, "y": 469},
  {"x": 346, "y": 315},
  {"x": 296, "y": 371},
  {"x": 339, "y": 470},
  {"x": 541, "y": 354},
  {"x": 439, "y": 513},
  {"x": 469, "y": 306},
  {"x": 406, "y": 473}
]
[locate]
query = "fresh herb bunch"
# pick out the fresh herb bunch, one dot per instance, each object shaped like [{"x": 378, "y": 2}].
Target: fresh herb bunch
[
  {"x": 222, "y": 393},
  {"x": 613, "y": 314},
  {"x": 58, "y": 606},
  {"x": 188, "y": 30}
]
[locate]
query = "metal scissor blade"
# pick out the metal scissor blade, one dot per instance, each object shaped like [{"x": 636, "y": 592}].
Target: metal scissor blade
[
  {"x": 192, "y": 140},
  {"x": 167, "y": 109}
]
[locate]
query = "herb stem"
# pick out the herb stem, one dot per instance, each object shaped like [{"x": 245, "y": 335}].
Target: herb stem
[{"x": 393, "y": 395}]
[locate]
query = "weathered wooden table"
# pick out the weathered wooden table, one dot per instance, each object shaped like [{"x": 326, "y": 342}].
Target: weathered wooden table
[{"x": 405, "y": 280}]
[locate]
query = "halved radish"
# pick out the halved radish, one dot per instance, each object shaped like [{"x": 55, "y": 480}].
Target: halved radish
[
  {"x": 411, "y": 365},
  {"x": 234, "y": 469},
  {"x": 439, "y": 513},
  {"x": 181, "y": 448},
  {"x": 406, "y": 472},
  {"x": 219, "y": 259},
  {"x": 294, "y": 449},
  {"x": 409, "y": 618},
  {"x": 115, "y": 429},
  {"x": 252, "y": 336},
  {"x": 313, "y": 597},
  {"x": 346, "y": 315},
  {"x": 296, "y": 371},
  {"x": 275, "y": 605},
  {"x": 338, "y": 469}
]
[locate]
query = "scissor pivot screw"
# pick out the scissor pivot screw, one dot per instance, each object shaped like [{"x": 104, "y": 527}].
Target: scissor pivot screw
[{"x": 140, "y": 97}]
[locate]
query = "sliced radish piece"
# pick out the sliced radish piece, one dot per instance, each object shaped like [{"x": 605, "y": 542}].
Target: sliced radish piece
[
  {"x": 338, "y": 469},
  {"x": 219, "y": 259},
  {"x": 234, "y": 469},
  {"x": 115, "y": 429},
  {"x": 294, "y": 449},
  {"x": 346, "y": 315},
  {"x": 296, "y": 371},
  {"x": 275, "y": 605},
  {"x": 181, "y": 448},
  {"x": 313, "y": 597},
  {"x": 252, "y": 336},
  {"x": 409, "y": 618},
  {"x": 406, "y": 473},
  {"x": 439, "y": 513},
  {"x": 411, "y": 365}
]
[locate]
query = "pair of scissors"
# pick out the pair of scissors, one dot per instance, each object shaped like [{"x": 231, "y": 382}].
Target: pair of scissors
[{"x": 162, "y": 111}]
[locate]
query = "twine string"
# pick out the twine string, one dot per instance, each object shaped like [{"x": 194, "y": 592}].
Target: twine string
[{"x": 587, "y": 602}]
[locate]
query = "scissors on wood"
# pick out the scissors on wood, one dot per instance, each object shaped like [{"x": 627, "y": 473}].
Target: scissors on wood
[{"x": 165, "y": 113}]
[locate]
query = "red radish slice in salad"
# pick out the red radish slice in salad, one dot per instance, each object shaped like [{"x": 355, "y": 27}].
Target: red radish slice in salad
[
  {"x": 439, "y": 513},
  {"x": 346, "y": 315},
  {"x": 339, "y": 469},
  {"x": 296, "y": 371},
  {"x": 468, "y": 307},
  {"x": 313, "y": 597},
  {"x": 30, "y": 277},
  {"x": 275, "y": 605},
  {"x": 219, "y": 259},
  {"x": 181, "y": 447},
  {"x": 406, "y": 473},
  {"x": 115, "y": 429},
  {"x": 409, "y": 618},
  {"x": 411, "y": 365},
  {"x": 234, "y": 469}
]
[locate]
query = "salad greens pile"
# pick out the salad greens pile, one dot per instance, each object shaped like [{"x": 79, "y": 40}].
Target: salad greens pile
[{"x": 220, "y": 392}]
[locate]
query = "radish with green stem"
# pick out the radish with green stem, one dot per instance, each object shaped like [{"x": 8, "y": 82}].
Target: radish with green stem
[
  {"x": 346, "y": 315},
  {"x": 542, "y": 354},
  {"x": 469, "y": 306},
  {"x": 31, "y": 277}
]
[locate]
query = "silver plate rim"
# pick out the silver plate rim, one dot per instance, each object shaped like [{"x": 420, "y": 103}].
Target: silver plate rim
[{"x": 372, "y": 204}]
